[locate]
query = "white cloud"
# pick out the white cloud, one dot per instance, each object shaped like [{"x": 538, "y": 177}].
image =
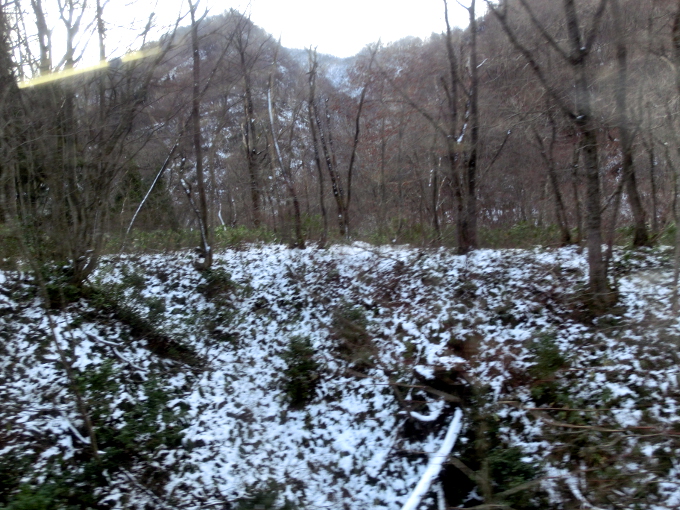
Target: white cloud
[{"x": 344, "y": 28}]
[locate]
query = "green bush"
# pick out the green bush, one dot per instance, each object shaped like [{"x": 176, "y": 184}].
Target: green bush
[
  {"x": 132, "y": 279},
  {"x": 519, "y": 235},
  {"x": 156, "y": 306},
  {"x": 112, "y": 300},
  {"x": 667, "y": 236},
  {"x": 217, "y": 281},
  {"x": 547, "y": 356},
  {"x": 547, "y": 360},
  {"x": 508, "y": 470},
  {"x": 10, "y": 248},
  {"x": 301, "y": 373},
  {"x": 61, "y": 486},
  {"x": 142, "y": 314},
  {"x": 59, "y": 286},
  {"x": 124, "y": 439},
  {"x": 349, "y": 327},
  {"x": 350, "y": 321},
  {"x": 265, "y": 498},
  {"x": 50, "y": 495},
  {"x": 143, "y": 241},
  {"x": 231, "y": 237},
  {"x": 144, "y": 426},
  {"x": 12, "y": 468}
]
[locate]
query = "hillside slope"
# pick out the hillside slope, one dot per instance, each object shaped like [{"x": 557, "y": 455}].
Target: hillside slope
[{"x": 322, "y": 379}]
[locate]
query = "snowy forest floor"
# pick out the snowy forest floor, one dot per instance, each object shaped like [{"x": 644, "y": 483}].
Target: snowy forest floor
[{"x": 309, "y": 379}]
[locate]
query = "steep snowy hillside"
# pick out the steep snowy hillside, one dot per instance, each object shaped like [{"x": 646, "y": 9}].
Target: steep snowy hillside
[
  {"x": 335, "y": 69},
  {"x": 326, "y": 379}
]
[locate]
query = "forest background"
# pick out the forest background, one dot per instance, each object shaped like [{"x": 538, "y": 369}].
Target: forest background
[
  {"x": 551, "y": 123},
  {"x": 540, "y": 123}
]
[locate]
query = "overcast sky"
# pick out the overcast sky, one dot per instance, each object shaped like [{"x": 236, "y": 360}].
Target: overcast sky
[
  {"x": 340, "y": 28},
  {"x": 343, "y": 28}
]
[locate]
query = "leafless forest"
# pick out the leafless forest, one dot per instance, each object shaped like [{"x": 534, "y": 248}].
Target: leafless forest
[
  {"x": 152, "y": 355},
  {"x": 556, "y": 117}
]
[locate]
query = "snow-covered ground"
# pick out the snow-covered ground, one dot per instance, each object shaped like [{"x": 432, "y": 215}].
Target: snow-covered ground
[{"x": 402, "y": 337}]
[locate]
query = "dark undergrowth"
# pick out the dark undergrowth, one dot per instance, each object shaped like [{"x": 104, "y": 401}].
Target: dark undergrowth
[{"x": 518, "y": 235}]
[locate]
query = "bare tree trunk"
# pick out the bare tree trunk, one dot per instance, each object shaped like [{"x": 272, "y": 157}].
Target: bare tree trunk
[
  {"x": 452, "y": 138},
  {"x": 676, "y": 255},
  {"x": 80, "y": 222},
  {"x": 599, "y": 287},
  {"x": 612, "y": 226},
  {"x": 382, "y": 211},
  {"x": 641, "y": 237},
  {"x": 329, "y": 158},
  {"x": 206, "y": 240},
  {"x": 463, "y": 190},
  {"x": 470, "y": 228},
  {"x": 435, "y": 199},
  {"x": 84, "y": 155},
  {"x": 9, "y": 101},
  {"x": 549, "y": 160},
  {"x": 654, "y": 192},
  {"x": 600, "y": 292},
  {"x": 355, "y": 144},
  {"x": 249, "y": 134},
  {"x": 101, "y": 34},
  {"x": 423, "y": 213},
  {"x": 399, "y": 166},
  {"x": 676, "y": 190},
  {"x": 576, "y": 156},
  {"x": 315, "y": 144},
  {"x": 581, "y": 115},
  {"x": 285, "y": 169},
  {"x": 44, "y": 37}
]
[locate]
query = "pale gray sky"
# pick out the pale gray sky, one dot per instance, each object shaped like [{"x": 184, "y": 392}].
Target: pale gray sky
[{"x": 342, "y": 28}]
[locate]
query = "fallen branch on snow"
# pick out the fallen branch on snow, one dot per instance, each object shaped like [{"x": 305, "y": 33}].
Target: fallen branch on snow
[{"x": 436, "y": 462}]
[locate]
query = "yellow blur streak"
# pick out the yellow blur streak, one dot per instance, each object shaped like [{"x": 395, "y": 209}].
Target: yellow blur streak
[
  {"x": 60, "y": 75},
  {"x": 68, "y": 73}
]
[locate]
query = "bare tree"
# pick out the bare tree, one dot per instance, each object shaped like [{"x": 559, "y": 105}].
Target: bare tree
[
  {"x": 285, "y": 167},
  {"x": 469, "y": 224},
  {"x": 454, "y": 130},
  {"x": 10, "y": 130},
  {"x": 580, "y": 43},
  {"x": 77, "y": 150},
  {"x": 313, "y": 66},
  {"x": 641, "y": 236},
  {"x": 205, "y": 228},
  {"x": 548, "y": 156},
  {"x": 324, "y": 130},
  {"x": 44, "y": 37},
  {"x": 251, "y": 134},
  {"x": 676, "y": 68}
]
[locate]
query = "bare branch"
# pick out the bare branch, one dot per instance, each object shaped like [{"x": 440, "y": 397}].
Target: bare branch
[{"x": 544, "y": 33}]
